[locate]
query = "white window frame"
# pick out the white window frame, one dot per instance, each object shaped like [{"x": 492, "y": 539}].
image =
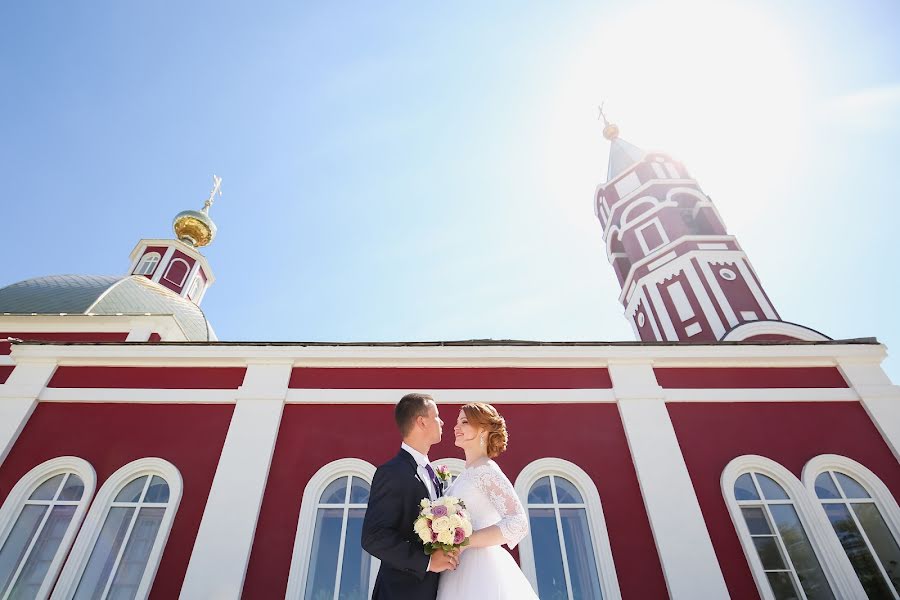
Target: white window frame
[
  {"x": 881, "y": 496},
  {"x": 344, "y": 467},
  {"x": 169, "y": 269},
  {"x": 145, "y": 262},
  {"x": 832, "y": 559},
  {"x": 194, "y": 290},
  {"x": 639, "y": 232},
  {"x": 84, "y": 544},
  {"x": 12, "y": 507},
  {"x": 606, "y": 568}
]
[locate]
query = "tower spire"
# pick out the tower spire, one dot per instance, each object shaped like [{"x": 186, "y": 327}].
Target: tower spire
[{"x": 622, "y": 155}]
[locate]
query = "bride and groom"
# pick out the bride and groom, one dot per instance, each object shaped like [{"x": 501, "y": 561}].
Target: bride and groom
[{"x": 480, "y": 570}]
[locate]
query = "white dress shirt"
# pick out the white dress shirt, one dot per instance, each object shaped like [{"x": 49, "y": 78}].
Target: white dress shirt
[{"x": 421, "y": 471}]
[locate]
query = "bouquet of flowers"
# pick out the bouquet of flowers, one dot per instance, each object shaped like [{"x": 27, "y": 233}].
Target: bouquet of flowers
[{"x": 443, "y": 524}]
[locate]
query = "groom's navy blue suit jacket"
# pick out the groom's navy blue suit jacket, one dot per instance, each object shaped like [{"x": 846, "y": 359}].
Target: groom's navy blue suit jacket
[{"x": 388, "y": 534}]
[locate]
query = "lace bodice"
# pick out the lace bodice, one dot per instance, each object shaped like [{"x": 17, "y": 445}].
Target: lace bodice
[{"x": 491, "y": 500}]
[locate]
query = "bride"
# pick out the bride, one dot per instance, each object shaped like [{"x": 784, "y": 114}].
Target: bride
[{"x": 486, "y": 571}]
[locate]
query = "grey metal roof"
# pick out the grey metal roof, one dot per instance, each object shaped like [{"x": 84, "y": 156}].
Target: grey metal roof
[
  {"x": 103, "y": 295},
  {"x": 622, "y": 155}
]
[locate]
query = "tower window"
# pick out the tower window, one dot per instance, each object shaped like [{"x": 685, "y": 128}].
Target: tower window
[
  {"x": 177, "y": 272},
  {"x": 148, "y": 264},
  {"x": 194, "y": 292}
]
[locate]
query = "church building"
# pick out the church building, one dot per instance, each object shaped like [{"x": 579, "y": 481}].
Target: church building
[{"x": 724, "y": 453}]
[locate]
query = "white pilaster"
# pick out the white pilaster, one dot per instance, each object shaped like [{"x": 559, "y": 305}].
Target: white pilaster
[
  {"x": 878, "y": 395},
  {"x": 139, "y": 333},
  {"x": 219, "y": 559},
  {"x": 18, "y": 399},
  {"x": 163, "y": 264},
  {"x": 685, "y": 549}
]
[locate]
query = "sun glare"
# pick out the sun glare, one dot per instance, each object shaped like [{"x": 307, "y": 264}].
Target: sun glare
[{"x": 718, "y": 85}]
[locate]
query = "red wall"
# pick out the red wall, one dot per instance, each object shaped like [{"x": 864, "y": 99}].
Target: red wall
[
  {"x": 790, "y": 433},
  {"x": 450, "y": 378},
  {"x": 589, "y": 435},
  {"x": 160, "y": 378},
  {"x": 5, "y": 371},
  {"x": 750, "y": 377},
  {"x": 111, "y": 435}
]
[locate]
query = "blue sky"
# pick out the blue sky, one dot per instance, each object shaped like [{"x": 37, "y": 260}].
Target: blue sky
[{"x": 421, "y": 171}]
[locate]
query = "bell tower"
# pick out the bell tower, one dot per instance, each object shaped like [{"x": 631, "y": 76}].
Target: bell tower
[
  {"x": 683, "y": 277},
  {"x": 177, "y": 264}
]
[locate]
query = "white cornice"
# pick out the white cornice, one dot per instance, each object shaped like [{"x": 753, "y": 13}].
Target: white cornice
[{"x": 715, "y": 355}]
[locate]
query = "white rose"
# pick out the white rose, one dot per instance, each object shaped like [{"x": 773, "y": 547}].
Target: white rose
[
  {"x": 455, "y": 521},
  {"x": 441, "y": 524},
  {"x": 467, "y": 527},
  {"x": 445, "y": 537},
  {"x": 425, "y": 503}
]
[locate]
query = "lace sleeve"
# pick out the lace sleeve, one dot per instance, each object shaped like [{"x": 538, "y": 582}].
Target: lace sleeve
[{"x": 513, "y": 523}]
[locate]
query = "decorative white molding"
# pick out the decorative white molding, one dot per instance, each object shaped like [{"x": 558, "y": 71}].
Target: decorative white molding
[
  {"x": 750, "y": 280},
  {"x": 609, "y": 582},
  {"x": 181, "y": 247},
  {"x": 164, "y": 263},
  {"x": 672, "y": 506},
  {"x": 452, "y": 396},
  {"x": 18, "y": 399},
  {"x": 880, "y": 398},
  {"x": 84, "y": 543},
  {"x": 165, "y": 325},
  {"x": 12, "y": 507},
  {"x": 751, "y": 329},
  {"x": 218, "y": 564},
  {"x": 833, "y": 560},
  {"x": 639, "y": 233},
  {"x": 344, "y": 467}
]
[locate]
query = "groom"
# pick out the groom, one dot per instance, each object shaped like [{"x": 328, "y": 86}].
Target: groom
[{"x": 406, "y": 572}]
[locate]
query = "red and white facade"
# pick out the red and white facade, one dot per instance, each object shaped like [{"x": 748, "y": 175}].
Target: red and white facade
[{"x": 658, "y": 439}]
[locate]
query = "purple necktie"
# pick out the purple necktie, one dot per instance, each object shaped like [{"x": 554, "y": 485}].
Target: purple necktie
[{"x": 434, "y": 480}]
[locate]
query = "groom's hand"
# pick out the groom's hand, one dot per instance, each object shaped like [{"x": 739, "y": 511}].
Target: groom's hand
[{"x": 442, "y": 561}]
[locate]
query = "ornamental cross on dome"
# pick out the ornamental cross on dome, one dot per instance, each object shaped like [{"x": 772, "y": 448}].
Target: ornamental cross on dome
[{"x": 217, "y": 189}]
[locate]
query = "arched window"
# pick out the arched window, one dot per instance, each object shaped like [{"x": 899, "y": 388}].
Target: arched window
[
  {"x": 194, "y": 291},
  {"x": 328, "y": 561},
  {"x": 177, "y": 271},
  {"x": 38, "y": 522},
  {"x": 791, "y": 553},
  {"x": 148, "y": 264},
  {"x": 864, "y": 515},
  {"x": 567, "y": 555},
  {"x": 122, "y": 540}
]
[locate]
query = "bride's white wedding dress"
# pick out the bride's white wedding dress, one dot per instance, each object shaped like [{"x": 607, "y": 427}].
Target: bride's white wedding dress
[{"x": 488, "y": 573}]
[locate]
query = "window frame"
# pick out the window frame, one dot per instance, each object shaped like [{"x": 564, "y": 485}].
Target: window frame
[
  {"x": 145, "y": 259},
  {"x": 832, "y": 559},
  {"x": 96, "y": 517},
  {"x": 603, "y": 556},
  {"x": 169, "y": 269},
  {"x": 306, "y": 523},
  {"x": 22, "y": 490},
  {"x": 881, "y": 496}
]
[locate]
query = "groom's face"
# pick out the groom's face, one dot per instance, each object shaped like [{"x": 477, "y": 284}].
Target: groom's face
[{"x": 434, "y": 427}]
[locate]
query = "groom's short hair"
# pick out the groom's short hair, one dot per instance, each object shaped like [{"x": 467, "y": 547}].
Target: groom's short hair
[{"x": 410, "y": 407}]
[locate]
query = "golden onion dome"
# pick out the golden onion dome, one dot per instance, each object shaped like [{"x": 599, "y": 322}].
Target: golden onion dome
[{"x": 194, "y": 227}]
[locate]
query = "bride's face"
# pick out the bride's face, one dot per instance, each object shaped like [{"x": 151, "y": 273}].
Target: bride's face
[{"x": 465, "y": 435}]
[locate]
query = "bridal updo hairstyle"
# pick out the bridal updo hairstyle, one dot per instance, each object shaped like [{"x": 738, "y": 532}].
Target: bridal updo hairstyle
[{"x": 486, "y": 416}]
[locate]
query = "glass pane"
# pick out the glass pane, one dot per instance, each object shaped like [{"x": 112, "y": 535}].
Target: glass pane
[
  {"x": 851, "y": 487},
  {"x": 882, "y": 541},
  {"x": 336, "y": 492},
  {"x": 137, "y": 551},
  {"x": 73, "y": 488},
  {"x": 770, "y": 489},
  {"x": 566, "y": 493},
  {"x": 857, "y": 551},
  {"x": 359, "y": 491},
  {"x": 158, "y": 492},
  {"x": 324, "y": 555},
  {"x": 540, "y": 492},
  {"x": 744, "y": 488},
  {"x": 17, "y": 542},
  {"x": 548, "y": 565},
  {"x": 580, "y": 554},
  {"x": 756, "y": 521},
  {"x": 47, "y": 490},
  {"x": 35, "y": 569},
  {"x": 769, "y": 553},
  {"x": 132, "y": 491},
  {"x": 783, "y": 586},
  {"x": 355, "y": 568},
  {"x": 825, "y": 488},
  {"x": 106, "y": 548},
  {"x": 812, "y": 579}
]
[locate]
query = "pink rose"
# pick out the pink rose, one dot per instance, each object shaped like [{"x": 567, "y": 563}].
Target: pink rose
[
  {"x": 438, "y": 511},
  {"x": 459, "y": 535},
  {"x": 433, "y": 537}
]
